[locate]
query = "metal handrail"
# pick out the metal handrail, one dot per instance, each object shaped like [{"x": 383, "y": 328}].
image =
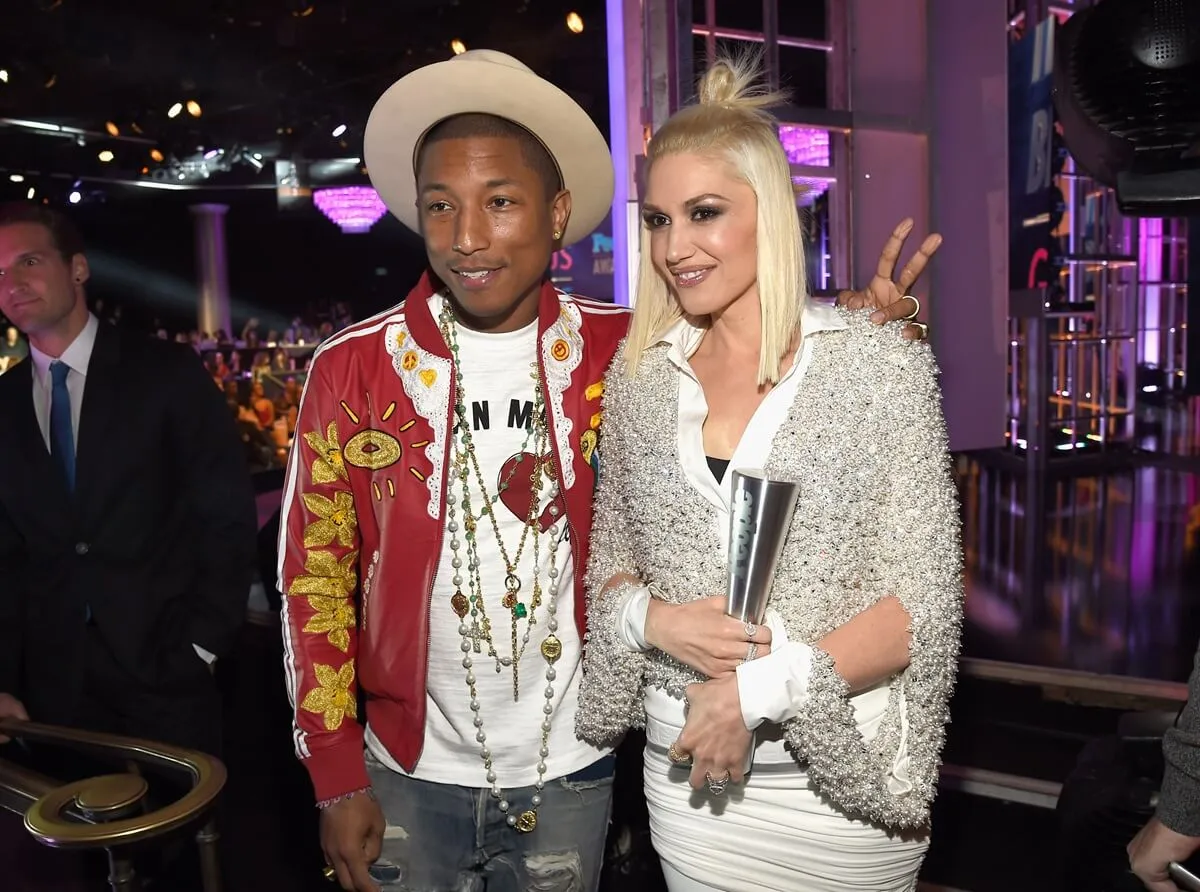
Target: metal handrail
[{"x": 103, "y": 812}]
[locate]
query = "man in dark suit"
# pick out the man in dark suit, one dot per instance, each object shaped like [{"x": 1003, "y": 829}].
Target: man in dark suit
[{"x": 127, "y": 518}]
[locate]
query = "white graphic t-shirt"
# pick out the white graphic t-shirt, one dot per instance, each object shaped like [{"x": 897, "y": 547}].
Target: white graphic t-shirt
[{"x": 498, "y": 384}]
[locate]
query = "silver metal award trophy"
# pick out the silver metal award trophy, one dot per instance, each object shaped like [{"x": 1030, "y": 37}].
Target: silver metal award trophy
[{"x": 759, "y": 519}]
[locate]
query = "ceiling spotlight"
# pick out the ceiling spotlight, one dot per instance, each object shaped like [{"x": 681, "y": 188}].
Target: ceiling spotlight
[
  {"x": 16, "y": 178},
  {"x": 458, "y": 46},
  {"x": 302, "y": 9},
  {"x": 174, "y": 110},
  {"x": 51, "y": 81},
  {"x": 193, "y": 108},
  {"x": 75, "y": 197},
  {"x": 156, "y": 155},
  {"x": 32, "y": 192},
  {"x": 574, "y": 23},
  {"x": 339, "y": 130},
  {"x": 3, "y": 75},
  {"x": 113, "y": 129},
  {"x": 106, "y": 156}
]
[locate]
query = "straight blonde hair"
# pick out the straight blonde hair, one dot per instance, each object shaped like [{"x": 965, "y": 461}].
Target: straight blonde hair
[{"x": 730, "y": 121}]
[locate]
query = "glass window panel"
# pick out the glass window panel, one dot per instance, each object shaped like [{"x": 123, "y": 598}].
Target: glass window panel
[
  {"x": 746, "y": 15},
  {"x": 814, "y": 219},
  {"x": 802, "y": 18},
  {"x": 803, "y": 73}
]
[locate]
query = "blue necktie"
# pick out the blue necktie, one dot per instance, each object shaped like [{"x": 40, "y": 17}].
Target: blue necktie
[{"x": 62, "y": 434}]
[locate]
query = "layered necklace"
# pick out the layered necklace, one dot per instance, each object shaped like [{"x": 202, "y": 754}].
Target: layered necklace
[{"x": 475, "y": 626}]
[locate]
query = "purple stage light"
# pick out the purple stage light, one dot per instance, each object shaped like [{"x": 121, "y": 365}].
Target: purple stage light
[
  {"x": 355, "y": 209},
  {"x": 805, "y": 145}
]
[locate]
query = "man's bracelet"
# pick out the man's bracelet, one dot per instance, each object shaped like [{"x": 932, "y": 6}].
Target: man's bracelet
[{"x": 325, "y": 803}]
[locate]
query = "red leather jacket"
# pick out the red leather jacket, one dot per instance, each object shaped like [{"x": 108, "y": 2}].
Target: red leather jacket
[{"x": 364, "y": 513}]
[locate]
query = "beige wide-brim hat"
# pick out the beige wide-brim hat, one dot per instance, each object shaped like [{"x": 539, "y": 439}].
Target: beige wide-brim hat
[{"x": 492, "y": 83}]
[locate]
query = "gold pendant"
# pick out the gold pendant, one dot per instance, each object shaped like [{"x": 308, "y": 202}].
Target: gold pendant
[
  {"x": 459, "y": 604},
  {"x": 527, "y": 821},
  {"x": 551, "y": 649}
]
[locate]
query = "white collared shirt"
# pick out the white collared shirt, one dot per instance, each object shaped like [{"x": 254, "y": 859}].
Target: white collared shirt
[
  {"x": 77, "y": 358},
  {"x": 755, "y": 445}
]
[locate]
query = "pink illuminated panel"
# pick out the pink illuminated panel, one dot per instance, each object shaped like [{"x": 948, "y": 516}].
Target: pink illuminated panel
[
  {"x": 810, "y": 189},
  {"x": 355, "y": 209},
  {"x": 805, "y": 145}
]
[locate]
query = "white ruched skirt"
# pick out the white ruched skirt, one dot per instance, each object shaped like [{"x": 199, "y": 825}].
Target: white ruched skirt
[{"x": 774, "y": 833}]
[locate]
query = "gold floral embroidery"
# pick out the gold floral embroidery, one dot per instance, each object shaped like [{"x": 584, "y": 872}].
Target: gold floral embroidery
[
  {"x": 336, "y": 519},
  {"x": 326, "y": 576},
  {"x": 332, "y": 698},
  {"x": 335, "y": 617},
  {"x": 328, "y": 465}
]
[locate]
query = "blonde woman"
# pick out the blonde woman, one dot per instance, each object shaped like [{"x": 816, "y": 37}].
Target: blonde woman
[{"x": 728, "y": 365}]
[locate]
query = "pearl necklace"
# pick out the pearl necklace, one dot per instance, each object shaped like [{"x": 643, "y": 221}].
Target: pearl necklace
[{"x": 551, "y": 647}]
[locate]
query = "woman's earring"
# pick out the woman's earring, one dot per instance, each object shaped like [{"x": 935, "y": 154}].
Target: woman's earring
[{"x": 557, "y": 235}]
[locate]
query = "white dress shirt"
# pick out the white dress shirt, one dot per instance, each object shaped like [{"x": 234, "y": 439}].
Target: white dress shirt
[{"x": 77, "y": 357}]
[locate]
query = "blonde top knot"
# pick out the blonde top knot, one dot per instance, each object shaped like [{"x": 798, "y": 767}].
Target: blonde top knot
[{"x": 736, "y": 82}]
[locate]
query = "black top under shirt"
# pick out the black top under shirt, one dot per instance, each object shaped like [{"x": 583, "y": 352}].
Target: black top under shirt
[{"x": 718, "y": 467}]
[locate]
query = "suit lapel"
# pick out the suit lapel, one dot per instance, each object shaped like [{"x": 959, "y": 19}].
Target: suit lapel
[{"x": 100, "y": 411}]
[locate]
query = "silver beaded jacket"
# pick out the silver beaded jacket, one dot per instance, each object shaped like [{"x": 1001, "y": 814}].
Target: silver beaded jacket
[{"x": 878, "y": 516}]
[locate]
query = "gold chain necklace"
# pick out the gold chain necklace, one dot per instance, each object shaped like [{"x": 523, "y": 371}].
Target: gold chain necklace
[{"x": 551, "y": 648}]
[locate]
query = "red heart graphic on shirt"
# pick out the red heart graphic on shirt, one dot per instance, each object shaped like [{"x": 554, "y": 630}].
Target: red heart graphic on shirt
[{"x": 518, "y": 497}]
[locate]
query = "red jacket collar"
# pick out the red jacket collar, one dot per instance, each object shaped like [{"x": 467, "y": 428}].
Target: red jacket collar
[{"x": 425, "y": 328}]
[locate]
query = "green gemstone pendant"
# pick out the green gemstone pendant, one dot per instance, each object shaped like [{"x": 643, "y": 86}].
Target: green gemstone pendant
[{"x": 520, "y": 610}]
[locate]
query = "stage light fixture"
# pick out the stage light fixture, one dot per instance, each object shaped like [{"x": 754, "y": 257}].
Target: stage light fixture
[
  {"x": 113, "y": 129},
  {"x": 575, "y": 23},
  {"x": 458, "y": 46},
  {"x": 106, "y": 156},
  {"x": 339, "y": 130},
  {"x": 75, "y": 197},
  {"x": 193, "y": 108},
  {"x": 32, "y": 192},
  {"x": 156, "y": 155},
  {"x": 174, "y": 110},
  {"x": 16, "y": 178},
  {"x": 4, "y": 75}
]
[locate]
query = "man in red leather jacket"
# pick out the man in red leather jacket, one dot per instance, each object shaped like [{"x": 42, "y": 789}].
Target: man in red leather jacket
[{"x": 437, "y": 504}]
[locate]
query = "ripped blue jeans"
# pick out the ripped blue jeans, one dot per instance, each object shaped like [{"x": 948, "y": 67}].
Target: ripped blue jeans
[{"x": 443, "y": 838}]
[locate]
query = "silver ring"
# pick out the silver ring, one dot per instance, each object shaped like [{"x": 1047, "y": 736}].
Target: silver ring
[
  {"x": 751, "y": 631},
  {"x": 717, "y": 786},
  {"x": 751, "y": 652}
]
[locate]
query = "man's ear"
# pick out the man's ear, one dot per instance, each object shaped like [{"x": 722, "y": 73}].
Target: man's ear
[
  {"x": 80, "y": 271},
  {"x": 560, "y": 210}
]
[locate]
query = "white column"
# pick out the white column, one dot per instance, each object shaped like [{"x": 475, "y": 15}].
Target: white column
[{"x": 211, "y": 268}]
